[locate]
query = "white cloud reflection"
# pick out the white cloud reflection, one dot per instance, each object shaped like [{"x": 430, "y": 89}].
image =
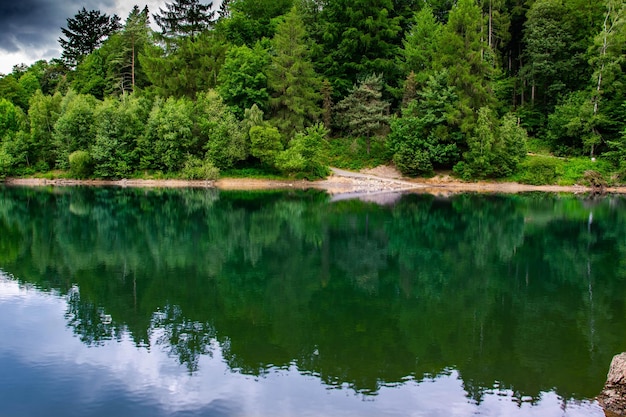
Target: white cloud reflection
[{"x": 41, "y": 347}]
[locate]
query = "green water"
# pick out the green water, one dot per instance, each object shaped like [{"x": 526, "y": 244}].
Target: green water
[{"x": 521, "y": 297}]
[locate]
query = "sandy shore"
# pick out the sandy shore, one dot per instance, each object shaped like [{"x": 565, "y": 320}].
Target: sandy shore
[{"x": 378, "y": 180}]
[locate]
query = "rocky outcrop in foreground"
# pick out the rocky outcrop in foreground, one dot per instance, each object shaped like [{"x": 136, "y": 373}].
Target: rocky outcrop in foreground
[{"x": 613, "y": 396}]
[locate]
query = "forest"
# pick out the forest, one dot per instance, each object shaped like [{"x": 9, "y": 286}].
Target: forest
[{"x": 529, "y": 90}]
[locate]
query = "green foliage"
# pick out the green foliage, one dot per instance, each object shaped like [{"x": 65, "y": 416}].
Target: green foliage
[
  {"x": 169, "y": 137},
  {"x": 186, "y": 66},
  {"x": 198, "y": 169},
  {"x": 252, "y": 20},
  {"x": 84, "y": 33},
  {"x": 8, "y": 118},
  {"x": 352, "y": 153},
  {"x": 265, "y": 143},
  {"x": 184, "y": 18},
  {"x": 495, "y": 149},
  {"x": 81, "y": 164},
  {"x": 359, "y": 38},
  {"x": 557, "y": 35},
  {"x": 424, "y": 138},
  {"x": 118, "y": 125},
  {"x": 462, "y": 53},
  {"x": 291, "y": 78},
  {"x": 90, "y": 76},
  {"x": 363, "y": 113},
  {"x": 539, "y": 170},
  {"x": 43, "y": 113},
  {"x": 73, "y": 129},
  {"x": 570, "y": 127},
  {"x": 421, "y": 44},
  {"x": 242, "y": 82},
  {"x": 218, "y": 132},
  {"x": 304, "y": 154}
]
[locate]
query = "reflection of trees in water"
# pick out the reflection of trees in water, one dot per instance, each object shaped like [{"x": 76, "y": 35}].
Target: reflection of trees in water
[
  {"x": 498, "y": 287},
  {"x": 182, "y": 338}
]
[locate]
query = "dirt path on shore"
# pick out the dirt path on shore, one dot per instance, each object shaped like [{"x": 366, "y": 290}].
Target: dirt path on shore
[{"x": 377, "y": 181}]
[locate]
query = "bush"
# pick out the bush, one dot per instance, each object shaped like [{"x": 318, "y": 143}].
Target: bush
[
  {"x": 81, "y": 164},
  {"x": 197, "y": 169},
  {"x": 539, "y": 170}
]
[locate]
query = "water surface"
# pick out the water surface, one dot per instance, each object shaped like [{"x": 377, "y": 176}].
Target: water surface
[{"x": 197, "y": 302}]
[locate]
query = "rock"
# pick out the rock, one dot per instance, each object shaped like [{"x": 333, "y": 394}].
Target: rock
[{"x": 613, "y": 396}]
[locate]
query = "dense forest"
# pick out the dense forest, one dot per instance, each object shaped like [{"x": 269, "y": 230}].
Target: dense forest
[{"x": 486, "y": 88}]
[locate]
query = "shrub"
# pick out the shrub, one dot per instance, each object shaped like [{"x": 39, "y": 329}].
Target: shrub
[
  {"x": 81, "y": 164},
  {"x": 197, "y": 169},
  {"x": 539, "y": 170}
]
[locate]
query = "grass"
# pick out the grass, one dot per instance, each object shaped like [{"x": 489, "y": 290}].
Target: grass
[
  {"x": 546, "y": 169},
  {"x": 351, "y": 154}
]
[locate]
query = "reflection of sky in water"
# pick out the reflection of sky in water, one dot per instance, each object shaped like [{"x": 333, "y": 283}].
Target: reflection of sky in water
[{"x": 46, "y": 370}]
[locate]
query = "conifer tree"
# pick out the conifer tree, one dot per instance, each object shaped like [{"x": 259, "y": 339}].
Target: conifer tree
[
  {"x": 363, "y": 112},
  {"x": 291, "y": 78},
  {"x": 85, "y": 32},
  {"x": 183, "y": 18}
]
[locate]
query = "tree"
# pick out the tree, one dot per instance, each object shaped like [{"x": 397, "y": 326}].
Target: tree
[
  {"x": 84, "y": 33},
  {"x": 607, "y": 60},
  {"x": 292, "y": 80},
  {"x": 557, "y": 36},
  {"x": 242, "y": 81},
  {"x": 192, "y": 66},
  {"x": 425, "y": 136},
  {"x": 304, "y": 154},
  {"x": 358, "y": 38},
  {"x": 495, "y": 149},
  {"x": 250, "y": 21},
  {"x": 169, "y": 137},
  {"x": 90, "y": 76},
  {"x": 463, "y": 52},
  {"x": 421, "y": 45},
  {"x": 43, "y": 113},
  {"x": 73, "y": 129},
  {"x": 363, "y": 113},
  {"x": 123, "y": 65},
  {"x": 184, "y": 18},
  {"x": 8, "y": 118},
  {"x": 118, "y": 125},
  {"x": 218, "y": 132},
  {"x": 265, "y": 144}
]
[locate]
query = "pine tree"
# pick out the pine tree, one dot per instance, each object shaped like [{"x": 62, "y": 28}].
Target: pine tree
[
  {"x": 363, "y": 112},
  {"x": 291, "y": 78},
  {"x": 463, "y": 53},
  {"x": 184, "y": 18},
  {"x": 123, "y": 70},
  {"x": 85, "y": 32}
]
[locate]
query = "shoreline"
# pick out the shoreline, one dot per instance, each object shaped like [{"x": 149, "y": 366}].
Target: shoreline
[{"x": 339, "y": 183}]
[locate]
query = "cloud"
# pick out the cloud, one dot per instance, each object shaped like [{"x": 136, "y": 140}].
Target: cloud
[{"x": 30, "y": 29}]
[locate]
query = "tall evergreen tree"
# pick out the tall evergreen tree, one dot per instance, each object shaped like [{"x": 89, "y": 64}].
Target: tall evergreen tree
[
  {"x": 183, "y": 18},
  {"x": 358, "y": 38},
  {"x": 463, "y": 53},
  {"x": 291, "y": 78},
  {"x": 363, "y": 113},
  {"x": 191, "y": 67},
  {"x": 85, "y": 32}
]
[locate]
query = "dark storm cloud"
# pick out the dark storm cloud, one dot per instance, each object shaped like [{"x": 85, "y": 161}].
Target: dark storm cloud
[{"x": 33, "y": 26}]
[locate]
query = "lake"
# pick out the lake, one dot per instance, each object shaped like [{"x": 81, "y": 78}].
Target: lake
[{"x": 196, "y": 302}]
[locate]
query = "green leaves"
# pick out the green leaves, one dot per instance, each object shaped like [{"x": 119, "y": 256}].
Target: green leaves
[
  {"x": 293, "y": 83},
  {"x": 242, "y": 79}
]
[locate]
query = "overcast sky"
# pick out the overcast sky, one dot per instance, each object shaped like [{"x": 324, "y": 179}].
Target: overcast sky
[{"x": 30, "y": 29}]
